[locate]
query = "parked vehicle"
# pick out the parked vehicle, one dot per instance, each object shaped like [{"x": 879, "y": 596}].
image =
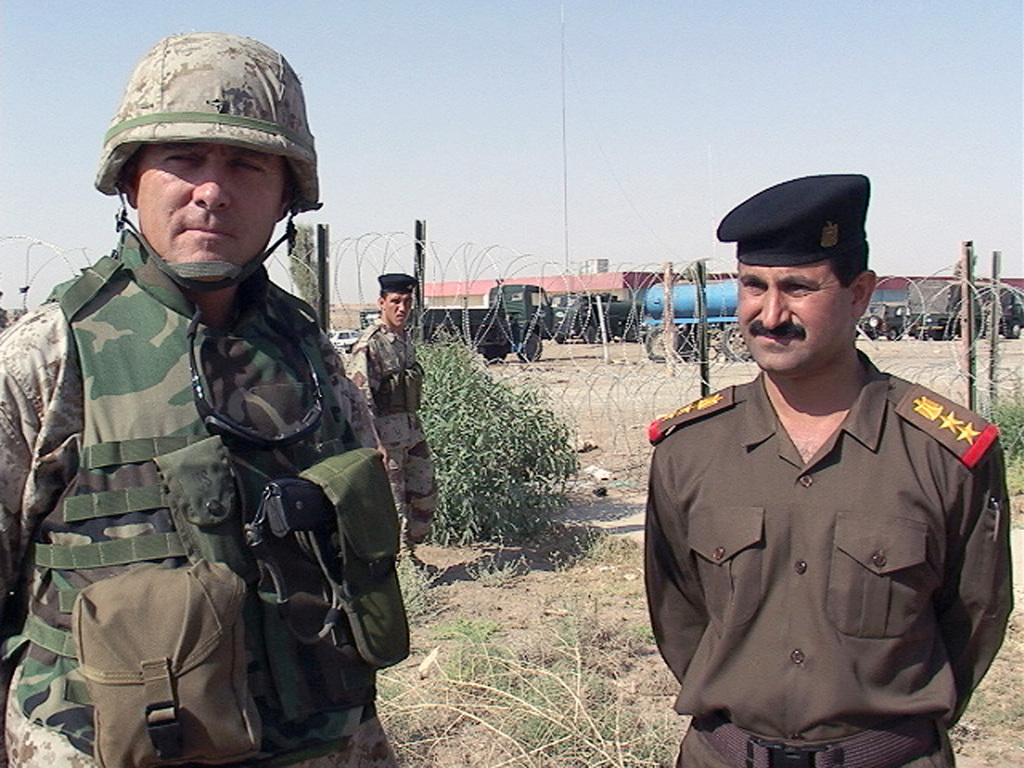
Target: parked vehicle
[
  {"x": 885, "y": 321},
  {"x": 516, "y": 319},
  {"x": 719, "y": 298},
  {"x": 595, "y": 317},
  {"x": 344, "y": 340},
  {"x": 934, "y": 310}
]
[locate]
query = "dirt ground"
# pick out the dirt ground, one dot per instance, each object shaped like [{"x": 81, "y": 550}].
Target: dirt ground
[
  {"x": 537, "y": 585},
  {"x": 545, "y": 587}
]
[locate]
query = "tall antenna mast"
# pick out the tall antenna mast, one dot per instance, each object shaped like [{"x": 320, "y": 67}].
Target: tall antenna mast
[{"x": 565, "y": 157}]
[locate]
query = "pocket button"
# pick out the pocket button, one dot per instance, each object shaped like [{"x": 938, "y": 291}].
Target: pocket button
[{"x": 878, "y": 558}]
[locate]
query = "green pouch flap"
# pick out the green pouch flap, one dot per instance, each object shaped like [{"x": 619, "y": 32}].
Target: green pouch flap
[
  {"x": 357, "y": 485},
  {"x": 200, "y": 490}
]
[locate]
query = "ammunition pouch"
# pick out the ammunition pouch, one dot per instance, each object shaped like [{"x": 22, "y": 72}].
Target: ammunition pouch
[
  {"x": 328, "y": 541},
  {"x": 201, "y": 494},
  {"x": 400, "y": 391}
]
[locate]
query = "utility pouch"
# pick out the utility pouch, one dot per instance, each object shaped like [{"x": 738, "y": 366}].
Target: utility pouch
[
  {"x": 199, "y": 486},
  {"x": 314, "y": 650},
  {"x": 356, "y": 483},
  {"x": 162, "y": 651}
]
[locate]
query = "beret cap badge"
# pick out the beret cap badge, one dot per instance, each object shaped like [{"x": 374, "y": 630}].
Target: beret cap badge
[{"x": 829, "y": 235}]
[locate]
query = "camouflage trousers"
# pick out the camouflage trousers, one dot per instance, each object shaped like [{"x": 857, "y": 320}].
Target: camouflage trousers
[
  {"x": 32, "y": 746},
  {"x": 410, "y": 471}
]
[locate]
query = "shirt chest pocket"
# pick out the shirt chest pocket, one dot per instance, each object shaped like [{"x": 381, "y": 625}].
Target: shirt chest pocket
[
  {"x": 880, "y": 581},
  {"x": 728, "y": 547}
]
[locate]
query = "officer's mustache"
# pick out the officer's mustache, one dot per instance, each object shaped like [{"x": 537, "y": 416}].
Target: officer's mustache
[{"x": 786, "y": 330}]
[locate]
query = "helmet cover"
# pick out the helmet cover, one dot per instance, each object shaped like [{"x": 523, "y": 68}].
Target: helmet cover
[{"x": 213, "y": 87}]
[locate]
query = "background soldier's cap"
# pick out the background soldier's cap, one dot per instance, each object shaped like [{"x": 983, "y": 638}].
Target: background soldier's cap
[
  {"x": 396, "y": 282},
  {"x": 801, "y": 221}
]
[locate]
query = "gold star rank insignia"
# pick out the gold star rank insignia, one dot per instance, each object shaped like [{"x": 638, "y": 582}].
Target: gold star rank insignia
[
  {"x": 950, "y": 421},
  {"x": 939, "y": 417},
  {"x": 968, "y": 433}
]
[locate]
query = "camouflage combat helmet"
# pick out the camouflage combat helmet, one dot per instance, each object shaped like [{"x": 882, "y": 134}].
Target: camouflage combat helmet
[{"x": 212, "y": 87}]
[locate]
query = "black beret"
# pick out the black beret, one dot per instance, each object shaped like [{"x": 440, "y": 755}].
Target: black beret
[
  {"x": 396, "y": 282},
  {"x": 801, "y": 221}
]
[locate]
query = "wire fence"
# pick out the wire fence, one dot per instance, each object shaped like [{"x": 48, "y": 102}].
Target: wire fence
[{"x": 604, "y": 382}]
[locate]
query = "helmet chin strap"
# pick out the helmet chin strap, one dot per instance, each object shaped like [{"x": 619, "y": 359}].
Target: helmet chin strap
[{"x": 203, "y": 276}]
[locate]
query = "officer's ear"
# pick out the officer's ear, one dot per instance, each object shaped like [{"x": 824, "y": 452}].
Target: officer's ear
[{"x": 862, "y": 286}]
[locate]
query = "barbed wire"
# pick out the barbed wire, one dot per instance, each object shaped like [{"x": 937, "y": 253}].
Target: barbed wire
[{"x": 608, "y": 388}]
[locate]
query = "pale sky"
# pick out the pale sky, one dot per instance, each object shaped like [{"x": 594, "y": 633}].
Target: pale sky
[{"x": 675, "y": 111}]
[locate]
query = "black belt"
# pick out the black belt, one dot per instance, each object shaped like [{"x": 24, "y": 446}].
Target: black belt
[{"x": 904, "y": 741}]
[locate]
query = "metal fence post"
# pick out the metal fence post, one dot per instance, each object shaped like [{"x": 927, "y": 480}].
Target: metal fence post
[
  {"x": 323, "y": 284},
  {"x": 968, "y": 363}
]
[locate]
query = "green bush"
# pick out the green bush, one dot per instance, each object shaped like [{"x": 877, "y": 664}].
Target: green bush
[
  {"x": 503, "y": 456},
  {"x": 1009, "y": 416}
]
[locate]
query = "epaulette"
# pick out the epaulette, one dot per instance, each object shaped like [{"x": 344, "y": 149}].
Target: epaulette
[
  {"x": 665, "y": 425},
  {"x": 963, "y": 432}
]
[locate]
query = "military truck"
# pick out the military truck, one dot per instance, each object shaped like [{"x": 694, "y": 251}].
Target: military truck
[
  {"x": 516, "y": 319},
  {"x": 595, "y": 317},
  {"x": 934, "y": 310},
  {"x": 885, "y": 320},
  {"x": 719, "y": 299}
]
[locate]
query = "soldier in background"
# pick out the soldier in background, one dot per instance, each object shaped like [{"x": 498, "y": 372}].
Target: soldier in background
[
  {"x": 384, "y": 367},
  {"x": 142, "y": 416},
  {"x": 827, "y": 554}
]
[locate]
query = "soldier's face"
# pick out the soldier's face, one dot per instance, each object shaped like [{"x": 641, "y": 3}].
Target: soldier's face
[
  {"x": 798, "y": 321},
  {"x": 395, "y": 308},
  {"x": 207, "y": 202}
]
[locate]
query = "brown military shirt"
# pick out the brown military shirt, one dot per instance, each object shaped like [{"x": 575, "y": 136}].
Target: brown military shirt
[{"x": 814, "y": 600}]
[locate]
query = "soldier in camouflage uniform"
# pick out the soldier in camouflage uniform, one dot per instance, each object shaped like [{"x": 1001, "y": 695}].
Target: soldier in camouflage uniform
[
  {"x": 384, "y": 367},
  {"x": 175, "y": 364}
]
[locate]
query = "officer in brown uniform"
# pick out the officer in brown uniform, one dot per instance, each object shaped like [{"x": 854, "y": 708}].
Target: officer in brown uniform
[
  {"x": 384, "y": 367},
  {"x": 827, "y": 557}
]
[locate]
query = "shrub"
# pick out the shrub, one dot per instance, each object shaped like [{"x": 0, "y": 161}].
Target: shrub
[
  {"x": 502, "y": 455},
  {"x": 1009, "y": 416}
]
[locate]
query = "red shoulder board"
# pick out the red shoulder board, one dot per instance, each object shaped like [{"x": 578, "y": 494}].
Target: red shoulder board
[
  {"x": 962, "y": 431},
  {"x": 663, "y": 426}
]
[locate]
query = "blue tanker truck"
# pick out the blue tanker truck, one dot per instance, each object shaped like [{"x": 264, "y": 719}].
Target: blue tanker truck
[{"x": 724, "y": 337}]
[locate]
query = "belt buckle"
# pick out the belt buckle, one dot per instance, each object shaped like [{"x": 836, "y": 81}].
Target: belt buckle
[{"x": 782, "y": 755}]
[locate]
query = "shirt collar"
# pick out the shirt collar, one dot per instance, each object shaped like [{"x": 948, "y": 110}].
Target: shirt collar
[{"x": 863, "y": 423}]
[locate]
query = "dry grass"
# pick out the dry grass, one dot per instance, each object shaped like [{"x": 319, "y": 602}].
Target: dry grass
[{"x": 543, "y": 657}]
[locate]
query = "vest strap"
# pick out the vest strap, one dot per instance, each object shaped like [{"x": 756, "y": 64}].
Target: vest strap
[
  {"x": 82, "y": 290},
  {"x": 50, "y": 638},
  {"x": 154, "y": 546},
  {"x": 134, "y": 451},
  {"x": 66, "y": 599},
  {"x": 89, "y": 506}
]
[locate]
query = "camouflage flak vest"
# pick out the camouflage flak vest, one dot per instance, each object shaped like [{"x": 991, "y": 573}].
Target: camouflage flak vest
[{"x": 142, "y": 442}]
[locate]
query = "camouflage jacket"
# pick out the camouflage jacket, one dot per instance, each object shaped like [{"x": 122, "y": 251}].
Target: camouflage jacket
[
  {"x": 42, "y": 421},
  {"x": 378, "y": 357}
]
